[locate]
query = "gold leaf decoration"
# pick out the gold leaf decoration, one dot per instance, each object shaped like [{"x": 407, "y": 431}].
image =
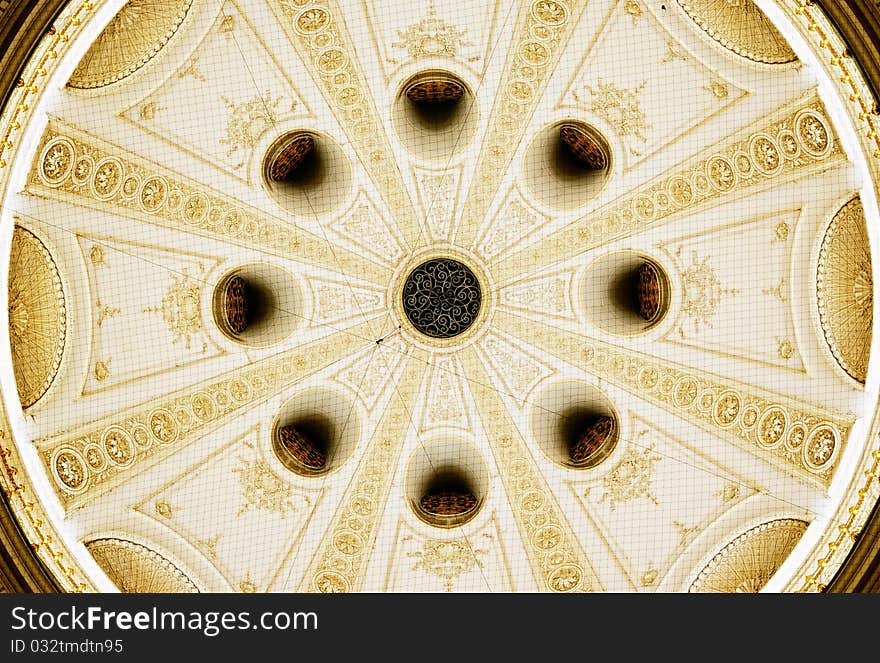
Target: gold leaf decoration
[
  {"x": 844, "y": 284},
  {"x": 135, "y": 569},
  {"x": 740, "y": 26},
  {"x": 748, "y": 562},
  {"x": 131, "y": 39},
  {"x": 37, "y": 316}
]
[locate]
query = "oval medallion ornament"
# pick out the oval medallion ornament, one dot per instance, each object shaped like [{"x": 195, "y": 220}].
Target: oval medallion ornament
[{"x": 442, "y": 298}]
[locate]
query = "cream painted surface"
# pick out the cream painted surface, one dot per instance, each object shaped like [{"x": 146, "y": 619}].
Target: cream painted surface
[{"x": 144, "y": 360}]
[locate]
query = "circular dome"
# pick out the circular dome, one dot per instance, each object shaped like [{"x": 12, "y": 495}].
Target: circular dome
[{"x": 448, "y": 301}]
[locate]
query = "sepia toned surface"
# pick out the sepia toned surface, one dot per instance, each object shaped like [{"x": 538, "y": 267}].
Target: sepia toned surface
[{"x": 746, "y": 410}]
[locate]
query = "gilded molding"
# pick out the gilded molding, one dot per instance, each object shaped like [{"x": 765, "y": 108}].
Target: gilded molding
[
  {"x": 746, "y": 564},
  {"x": 341, "y": 559},
  {"x": 72, "y": 166},
  {"x": 45, "y": 541},
  {"x": 134, "y": 568},
  {"x": 319, "y": 34},
  {"x": 807, "y": 441},
  {"x": 863, "y": 104},
  {"x": 131, "y": 39},
  {"x": 37, "y": 316},
  {"x": 103, "y": 453},
  {"x": 740, "y": 27},
  {"x": 558, "y": 561},
  {"x": 850, "y": 528},
  {"x": 845, "y": 289},
  {"x": 543, "y": 29},
  {"x": 798, "y": 139}
]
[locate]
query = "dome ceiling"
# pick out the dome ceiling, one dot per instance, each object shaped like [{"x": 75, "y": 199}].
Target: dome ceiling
[{"x": 346, "y": 296}]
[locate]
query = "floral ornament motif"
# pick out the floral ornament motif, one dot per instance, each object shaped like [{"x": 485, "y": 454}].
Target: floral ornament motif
[
  {"x": 447, "y": 559},
  {"x": 153, "y": 193},
  {"x": 248, "y": 586},
  {"x": 565, "y": 578},
  {"x": 97, "y": 256},
  {"x": 108, "y": 178},
  {"x": 248, "y": 121},
  {"x": 634, "y": 9},
  {"x": 719, "y": 90},
  {"x": 785, "y": 349},
  {"x": 164, "y": 509},
  {"x": 432, "y": 37},
  {"x": 313, "y": 20},
  {"x": 181, "y": 309},
  {"x": 631, "y": 478},
  {"x": 262, "y": 490},
  {"x": 729, "y": 493},
  {"x": 771, "y": 426},
  {"x": 684, "y": 532},
  {"x": 102, "y": 370},
  {"x": 163, "y": 426},
  {"x": 619, "y": 107},
  {"x": 119, "y": 446},
  {"x": 550, "y": 12},
  {"x": 781, "y": 232},
  {"x": 702, "y": 292}
]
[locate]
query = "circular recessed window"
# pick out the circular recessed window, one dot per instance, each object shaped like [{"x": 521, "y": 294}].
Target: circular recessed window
[
  {"x": 307, "y": 173},
  {"x": 435, "y": 115},
  {"x": 626, "y": 293},
  {"x": 257, "y": 304},
  {"x": 575, "y": 424},
  {"x": 442, "y": 298},
  {"x": 446, "y": 482},
  {"x": 567, "y": 164},
  {"x": 315, "y": 432}
]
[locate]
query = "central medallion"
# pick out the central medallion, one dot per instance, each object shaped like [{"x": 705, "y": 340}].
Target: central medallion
[{"x": 441, "y": 298}]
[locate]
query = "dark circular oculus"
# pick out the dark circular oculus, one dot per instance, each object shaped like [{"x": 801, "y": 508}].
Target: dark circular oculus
[{"x": 441, "y": 298}]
